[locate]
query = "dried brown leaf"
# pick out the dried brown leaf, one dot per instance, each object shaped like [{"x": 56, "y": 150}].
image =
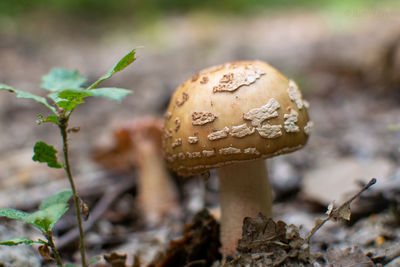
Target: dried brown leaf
[
  {"x": 347, "y": 257},
  {"x": 44, "y": 251},
  {"x": 116, "y": 260},
  {"x": 198, "y": 247},
  {"x": 268, "y": 243},
  {"x": 344, "y": 213}
]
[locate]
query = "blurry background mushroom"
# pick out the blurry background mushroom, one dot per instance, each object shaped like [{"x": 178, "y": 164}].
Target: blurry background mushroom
[
  {"x": 231, "y": 117},
  {"x": 138, "y": 145}
]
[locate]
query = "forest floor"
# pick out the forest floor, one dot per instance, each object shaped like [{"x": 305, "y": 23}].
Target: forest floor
[{"x": 347, "y": 67}]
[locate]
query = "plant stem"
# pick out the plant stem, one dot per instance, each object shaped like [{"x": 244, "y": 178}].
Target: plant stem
[
  {"x": 49, "y": 237},
  {"x": 63, "y": 125}
]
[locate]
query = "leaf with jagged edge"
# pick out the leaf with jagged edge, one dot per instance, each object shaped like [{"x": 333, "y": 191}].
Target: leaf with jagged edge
[
  {"x": 61, "y": 197},
  {"x": 50, "y": 210},
  {"x": 59, "y": 79},
  {"x": 14, "y": 214},
  {"x": 46, "y": 154},
  {"x": 27, "y": 95},
  {"x": 19, "y": 241},
  {"x": 116, "y": 94},
  {"x": 121, "y": 64},
  {"x": 51, "y": 118},
  {"x": 70, "y": 98},
  {"x": 45, "y": 219}
]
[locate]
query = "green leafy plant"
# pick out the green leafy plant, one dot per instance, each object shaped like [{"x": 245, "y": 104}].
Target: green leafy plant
[
  {"x": 50, "y": 211},
  {"x": 65, "y": 90}
]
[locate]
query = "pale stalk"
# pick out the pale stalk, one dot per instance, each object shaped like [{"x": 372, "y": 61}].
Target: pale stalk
[
  {"x": 157, "y": 193},
  {"x": 244, "y": 192}
]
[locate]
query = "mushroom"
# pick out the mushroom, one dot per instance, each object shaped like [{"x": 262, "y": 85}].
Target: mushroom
[
  {"x": 231, "y": 117},
  {"x": 139, "y": 144}
]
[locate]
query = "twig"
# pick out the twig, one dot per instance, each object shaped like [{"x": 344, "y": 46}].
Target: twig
[
  {"x": 109, "y": 196},
  {"x": 335, "y": 213},
  {"x": 386, "y": 259},
  {"x": 196, "y": 263}
]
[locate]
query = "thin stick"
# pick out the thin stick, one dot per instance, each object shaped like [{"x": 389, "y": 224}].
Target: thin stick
[
  {"x": 390, "y": 258},
  {"x": 335, "y": 212}
]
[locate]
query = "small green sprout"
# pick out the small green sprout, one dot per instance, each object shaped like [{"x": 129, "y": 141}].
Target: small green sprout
[{"x": 66, "y": 91}]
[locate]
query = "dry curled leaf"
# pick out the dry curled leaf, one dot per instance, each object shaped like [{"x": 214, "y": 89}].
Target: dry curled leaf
[
  {"x": 84, "y": 209},
  {"x": 344, "y": 213},
  {"x": 268, "y": 243},
  {"x": 116, "y": 260},
  {"x": 347, "y": 257},
  {"x": 198, "y": 247},
  {"x": 44, "y": 251}
]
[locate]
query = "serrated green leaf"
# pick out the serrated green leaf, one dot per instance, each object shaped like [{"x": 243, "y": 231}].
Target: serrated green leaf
[
  {"x": 67, "y": 105},
  {"x": 51, "y": 118},
  {"x": 54, "y": 96},
  {"x": 27, "y": 95},
  {"x": 73, "y": 94},
  {"x": 6, "y": 87},
  {"x": 111, "y": 93},
  {"x": 14, "y": 214},
  {"x": 45, "y": 219},
  {"x": 121, "y": 64},
  {"x": 61, "y": 197},
  {"x": 68, "y": 99},
  {"x": 50, "y": 211},
  {"x": 59, "y": 78},
  {"x": 47, "y": 154},
  {"x": 18, "y": 241}
]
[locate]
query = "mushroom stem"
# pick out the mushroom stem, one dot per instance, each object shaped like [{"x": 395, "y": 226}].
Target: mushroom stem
[
  {"x": 157, "y": 193},
  {"x": 244, "y": 192}
]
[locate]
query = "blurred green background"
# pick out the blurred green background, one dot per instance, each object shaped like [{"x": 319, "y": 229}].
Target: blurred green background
[{"x": 102, "y": 9}]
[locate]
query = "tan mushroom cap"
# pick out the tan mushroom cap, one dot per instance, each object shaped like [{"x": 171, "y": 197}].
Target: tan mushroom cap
[{"x": 234, "y": 112}]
